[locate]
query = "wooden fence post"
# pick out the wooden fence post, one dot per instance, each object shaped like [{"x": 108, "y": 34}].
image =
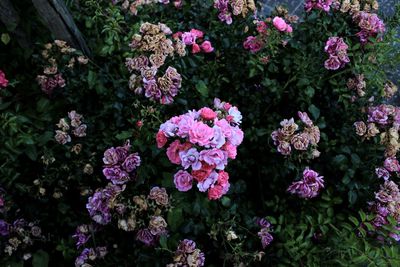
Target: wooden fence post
[{"x": 59, "y": 21}]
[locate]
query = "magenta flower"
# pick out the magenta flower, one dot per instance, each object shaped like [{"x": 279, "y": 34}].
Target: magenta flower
[
  {"x": 216, "y": 157},
  {"x": 190, "y": 158},
  {"x": 253, "y": 44},
  {"x": 3, "y": 80},
  {"x": 201, "y": 134},
  {"x": 309, "y": 186},
  {"x": 183, "y": 181}
]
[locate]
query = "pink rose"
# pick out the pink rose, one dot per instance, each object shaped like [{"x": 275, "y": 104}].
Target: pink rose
[
  {"x": 3, "y": 80},
  {"x": 196, "y": 48},
  {"x": 227, "y": 106},
  {"x": 183, "y": 181},
  {"x": 237, "y": 136},
  {"x": 173, "y": 152},
  {"x": 201, "y": 134},
  {"x": 231, "y": 149},
  {"x": 261, "y": 27},
  {"x": 289, "y": 29},
  {"x": 216, "y": 157},
  {"x": 279, "y": 24},
  {"x": 203, "y": 173},
  {"x": 197, "y": 33},
  {"x": 253, "y": 44},
  {"x": 207, "y": 113},
  {"x": 177, "y": 35},
  {"x": 161, "y": 139},
  {"x": 207, "y": 47},
  {"x": 215, "y": 192},
  {"x": 225, "y": 126},
  {"x": 223, "y": 178},
  {"x": 188, "y": 38}
]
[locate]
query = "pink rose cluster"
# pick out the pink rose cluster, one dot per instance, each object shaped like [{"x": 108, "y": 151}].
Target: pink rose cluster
[
  {"x": 309, "y": 186},
  {"x": 202, "y": 143},
  {"x": 3, "y": 80},
  {"x": 227, "y": 8},
  {"x": 337, "y": 51},
  {"x": 371, "y": 26},
  {"x": 290, "y": 135},
  {"x": 120, "y": 165},
  {"x": 387, "y": 203},
  {"x": 324, "y": 5},
  {"x": 256, "y": 43},
  {"x": 194, "y": 38}
]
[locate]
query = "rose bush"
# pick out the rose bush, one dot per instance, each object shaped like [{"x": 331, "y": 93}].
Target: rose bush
[{"x": 91, "y": 143}]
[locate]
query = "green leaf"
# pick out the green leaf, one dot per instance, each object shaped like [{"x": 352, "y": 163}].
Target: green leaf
[
  {"x": 42, "y": 105},
  {"x": 354, "y": 220},
  {"x": 163, "y": 241},
  {"x": 315, "y": 112},
  {"x": 310, "y": 91},
  {"x": 31, "y": 152},
  {"x": 40, "y": 259},
  {"x": 5, "y": 38},
  {"x": 175, "y": 218},
  {"x": 92, "y": 79},
  {"x": 202, "y": 88},
  {"x": 124, "y": 135}
]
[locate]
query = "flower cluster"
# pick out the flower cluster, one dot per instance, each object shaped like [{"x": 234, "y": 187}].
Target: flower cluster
[
  {"x": 236, "y": 7},
  {"x": 337, "y": 51},
  {"x": 355, "y": 6},
  {"x": 310, "y": 185},
  {"x": 134, "y": 5},
  {"x": 324, "y": 5},
  {"x": 390, "y": 165},
  {"x": 387, "y": 203},
  {"x": 204, "y": 141},
  {"x": 143, "y": 214},
  {"x": 290, "y": 135},
  {"x": 153, "y": 207},
  {"x": 193, "y": 38},
  {"x": 90, "y": 254},
  {"x": 389, "y": 90},
  {"x": 264, "y": 30},
  {"x": 52, "y": 77},
  {"x": 357, "y": 84},
  {"x": 154, "y": 40},
  {"x": 19, "y": 235},
  {"x": 74, "y": 126},
  {"x": 120, "y": 166},
  {"x": 371, "y": 26},
  {"x": 82, "y": 234},
  {"x": 3, "y": 80},
  {"x": 188, "y": 255},
  {"x": 264, "y": 233},
  {"x": 384, "y": 119},
  {"x": 101, "y": 203}
]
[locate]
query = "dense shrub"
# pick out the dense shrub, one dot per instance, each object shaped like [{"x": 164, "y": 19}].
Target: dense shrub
[{"x": 85, "y": 179}]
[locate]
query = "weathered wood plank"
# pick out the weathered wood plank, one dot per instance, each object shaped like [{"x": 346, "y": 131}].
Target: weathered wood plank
[{"x": 59, "y": 21}]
